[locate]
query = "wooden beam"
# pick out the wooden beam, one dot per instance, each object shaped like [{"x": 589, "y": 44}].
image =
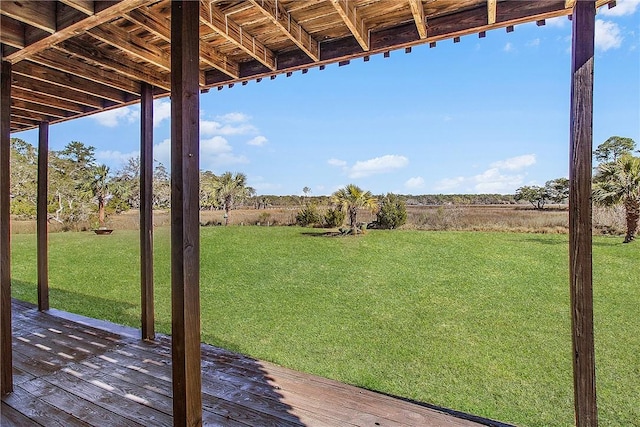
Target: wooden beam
[
  {"x": 35, "y": 13},
  {"x": 146, "y": 212},
  {"x": 66, "y": 81},
  {"x": 54, "y": 59},
  {"x": 40, "y": 88},
  {"x": 580, "y": 220},
  {"x": 6, "y": 356},
  {"x": 106, "y": 14},
  {"x": 11, "y": 32},
  {"x": 26, "y": 97},
  {"x": 39, "y": 108},
  {"x": 349, "y": 14},
  {"x": 132, "y": 45},
  {"x": 41, "y": 218},
  {"x": 568, "y": 4},
  {"x": 118, "y": 63},
  {"x": 185, "y": 233},
  {"x": 84, "y": 6},
  {"x": 214, "y": 19},
  {"x": 278, "y": 15},
  {"x": 418, "y": 16},
  {"x": 491, "y": 11}
]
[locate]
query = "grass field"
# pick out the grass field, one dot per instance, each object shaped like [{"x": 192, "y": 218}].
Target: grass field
[{"x": 473, "y": 321}]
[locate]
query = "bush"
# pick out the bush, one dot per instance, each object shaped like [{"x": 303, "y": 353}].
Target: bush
[
  {"x": 334, "y": 217},
  {"x": 392, "y": 213},
  {"x": 308, "y": 216}
]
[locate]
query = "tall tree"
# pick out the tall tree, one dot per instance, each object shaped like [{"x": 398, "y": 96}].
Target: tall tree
[
  {"x": 98, "y": 186},
  {"x": 231, "y": 189},
  {"x": 618, "y": 182},
  {"x": 533, "y": 194},
  {"x": 557, "y": 190},
  {"x": 24, "y": 172},
  {"x": 351, "y": 198},
  {"x": 614, "y": 148}
]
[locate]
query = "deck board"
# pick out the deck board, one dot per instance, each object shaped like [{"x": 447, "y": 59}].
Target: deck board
[{"x": 68, "y": 372}]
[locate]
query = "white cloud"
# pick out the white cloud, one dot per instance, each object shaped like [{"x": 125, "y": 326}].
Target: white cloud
[
  {"x": 113, "y": 157},
  {"x": 558, "y": 22},
  {"x": 217, "y": 151},
  {"x": 414, "y": 183},
  {"x": 213, "y": 146},
  {"x": 515, "y": 163},
  {"x": 161, "y": 111},
  {"x": 211, "y": 127},
  {"x": 493, "y": 181},
  {"x": 500, "y": 177},
  {"x": 508, "y": 47},
  {"x": 337, "y": 162},
  {"x": 623, "y": 7},
  {"x": 377, "y": 165},
  {"x": 234, "y": 117},
  {"x": 258, "y": 141},
  {"x": 162, "y": 153},
  {"x": 534, "y": 43},
  {"x": 449, "y": 184},
  {"x": 607, "y": 35},
  {"x": 113, "y": 118}
]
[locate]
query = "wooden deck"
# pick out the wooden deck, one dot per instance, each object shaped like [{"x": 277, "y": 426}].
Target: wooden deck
[{"x": 73, "y": 371}]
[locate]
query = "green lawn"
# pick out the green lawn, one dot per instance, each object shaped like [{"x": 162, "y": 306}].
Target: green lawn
[{"x": 477, "y": 322}]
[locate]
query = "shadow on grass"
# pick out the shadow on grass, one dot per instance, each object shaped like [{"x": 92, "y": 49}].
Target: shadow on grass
[{"x": 546, "y": 241}]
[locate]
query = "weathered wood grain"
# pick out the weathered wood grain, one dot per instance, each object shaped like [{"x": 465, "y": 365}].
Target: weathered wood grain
[
  {"x": 580, "y": 221},
  {"x": 185, "y": 233},
  {"x": 42, "y": 230}
]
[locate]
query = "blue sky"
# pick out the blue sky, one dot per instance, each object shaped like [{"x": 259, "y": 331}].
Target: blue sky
[{"x": 480, "y": 116}]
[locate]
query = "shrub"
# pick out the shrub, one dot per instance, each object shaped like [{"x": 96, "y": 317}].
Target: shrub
[
  {"x": 392, "y": 213},
  {"x": 308, "y": 216},
  {"x": 334, "y": 217}
]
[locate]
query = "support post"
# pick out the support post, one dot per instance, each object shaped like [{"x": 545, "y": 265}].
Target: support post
[
  {"x": 185, "y": 237},
  {"x": 146, "y": 213},
  {"x": 580, "y": 216},
  {"x": 6, "y": 356},
  {"x": 41, "y": 222}
]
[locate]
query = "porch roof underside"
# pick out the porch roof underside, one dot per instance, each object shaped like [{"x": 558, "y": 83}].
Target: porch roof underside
[{"x": 72, "y": 58}]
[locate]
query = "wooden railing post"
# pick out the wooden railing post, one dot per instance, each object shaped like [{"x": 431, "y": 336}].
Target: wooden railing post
[
  {"x": 146, "y": 213},
  {"x": 41, "y": 217},
  {"x": 185, "y": 226},
  {"x": 6, "y": 356},
  {"x": 580, "y": 216}
]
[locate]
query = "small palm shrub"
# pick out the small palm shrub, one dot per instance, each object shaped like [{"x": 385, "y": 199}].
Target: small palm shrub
[
  {"x": 308, "y": 216},
  {"x": 392, "y": 213},
  {"x": 334, "y": 217}
]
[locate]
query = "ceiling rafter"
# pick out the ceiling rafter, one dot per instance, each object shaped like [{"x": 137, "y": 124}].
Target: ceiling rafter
[
  {"x": 46, "y": 100},
  {"x": 132, "y": 45},
  {"x": 161, "y": 27},
  {"x": 104, "y": 15},
  {"x": 418, "y": 15},
  {"x": 214, "y": 19},
  {"x": 67, "y": 81},
  {"x": 349, "y": 14},
  {"x": 279, "y": 16},
  {"x": 85, "y": 6},
  {"x": 41, "y": 15},
  {"x": 68, "y": 64},
  {"x": 38, "y": 108},
  {"x": 11, "y": 32},
  {"x": 120, "y": 64},
  {"x": 492, "y": 6},
  {"x": 55, "y": 91}
]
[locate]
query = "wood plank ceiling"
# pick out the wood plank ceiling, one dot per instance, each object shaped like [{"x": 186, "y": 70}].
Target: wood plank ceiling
[{"x": 77, "y": 57}]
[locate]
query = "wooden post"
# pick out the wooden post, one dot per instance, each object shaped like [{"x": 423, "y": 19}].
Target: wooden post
[
  {"x": 580, "y": 221},
  {"x": 6, "y": 357},
  {"x": 41, "y": 223},
  {"x": 185, "y": 233},
  {"x": 146, "y": 213}
]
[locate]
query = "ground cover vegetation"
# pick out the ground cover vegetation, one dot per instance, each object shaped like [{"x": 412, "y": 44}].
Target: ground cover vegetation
[{"x": 474, "y": 321}]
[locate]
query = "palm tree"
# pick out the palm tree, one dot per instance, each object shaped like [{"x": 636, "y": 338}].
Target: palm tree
[
  {"x": 619, "y": 182},
  {"x": 351, "y": 198},
  {"x": 99, "y": 189},
  {"x": 231, "y": 188}
]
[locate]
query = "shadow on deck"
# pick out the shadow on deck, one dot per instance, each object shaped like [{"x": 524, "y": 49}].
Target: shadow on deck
[{"x": 75, "y": 371}]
